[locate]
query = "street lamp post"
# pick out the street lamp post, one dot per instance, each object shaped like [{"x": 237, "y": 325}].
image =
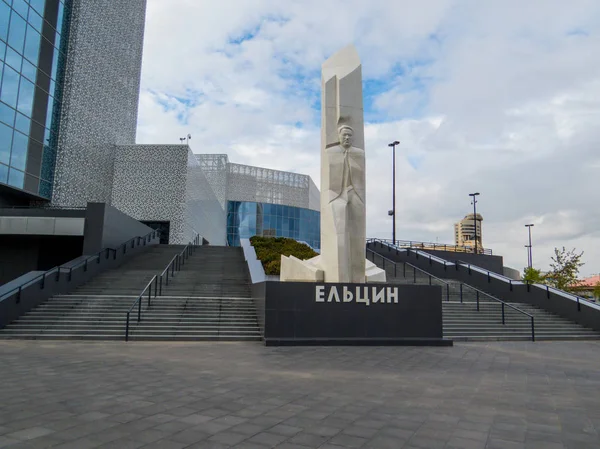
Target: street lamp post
[
  {"x": 530, "y": 248},
  {"x": 393, "y": 211},
  {"x": 474, "y": 195},
  {"x": 185, "y": 139}
]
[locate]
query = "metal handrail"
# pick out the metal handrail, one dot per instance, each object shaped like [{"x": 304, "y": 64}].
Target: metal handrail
[
  {"x": 431, "y": 276},
  {"x": 462, "y": 285},
  {"x": 138, "y": 302},
  {"x": 436, "y": 246},
  {"x": 177, "y": 262},
  {"x": 69, "y": 270}
]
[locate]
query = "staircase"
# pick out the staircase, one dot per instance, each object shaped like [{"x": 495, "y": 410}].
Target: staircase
[
  {"x": 463, "y": 322},
  {"x": 209, "y": 299}
]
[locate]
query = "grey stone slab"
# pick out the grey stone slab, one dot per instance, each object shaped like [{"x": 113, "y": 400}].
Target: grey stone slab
[
  {"x": 30, "y": 433},
  {"x": 267, "y": 438},
  {"x": 230, "y": 438},
  {"x": 308, "y": 439},
  {"x": 348, "y": 441}
]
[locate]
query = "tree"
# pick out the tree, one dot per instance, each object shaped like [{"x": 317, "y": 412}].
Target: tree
[
  {"x": 533, "y": 276},
  {"x": 564, "y": 269},
  {"x": 597, "y": 290}
]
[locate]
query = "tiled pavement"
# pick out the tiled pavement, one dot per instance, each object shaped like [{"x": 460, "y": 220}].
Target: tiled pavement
[{"x": 244, "y": 395}]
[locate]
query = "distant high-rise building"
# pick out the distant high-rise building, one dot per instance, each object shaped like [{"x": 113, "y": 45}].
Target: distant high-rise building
[{"x": 467, "y": 230}]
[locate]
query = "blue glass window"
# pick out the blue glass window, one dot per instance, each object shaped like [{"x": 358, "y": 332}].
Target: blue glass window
[
  {"x": 22, "y": 124},
  {"x": 245, "y": 219},
  {"x": 32, "y": 45},
  {"x": 29, "y": 70},
  {"x": 3, "y": 173},
  {"x": 2, "y": 50},
  {"x": 5, "y": 143},
  {"x": 18, "y": 156},
  {"x": 16, "y": 32},
  {"x": 26, "y": 90},
  {"x": 35, "y": 20},
  {"x": 49, "y": 112},
  {"x": 16, "y": 178},
  {"x": 10, "y": 87},
  {"x": 61, "y": 13},
  {"x": 21, "y": 7},
  {"x": 13, "y": 59},
  {"x": 55, "y": 63},
  {"x": 7, "y": 115},
  {"x": 4, "y": 20},
  {"x": 38, "y": 5}
]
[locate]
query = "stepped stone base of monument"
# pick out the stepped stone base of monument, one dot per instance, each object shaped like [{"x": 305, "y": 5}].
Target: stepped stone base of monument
[{"x": 296, "y": 270}]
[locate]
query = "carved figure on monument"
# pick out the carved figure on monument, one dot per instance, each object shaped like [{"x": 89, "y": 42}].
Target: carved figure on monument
[
  {"x": 343, "y": 213},
  {"x": 346, "y": 201}
]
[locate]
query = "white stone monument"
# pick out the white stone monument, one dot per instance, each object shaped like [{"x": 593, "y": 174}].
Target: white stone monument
[{"x": 343, "y": 214}]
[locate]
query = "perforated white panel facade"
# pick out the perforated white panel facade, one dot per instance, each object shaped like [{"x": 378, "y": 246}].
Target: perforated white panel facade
[
  {"x": 100, "y": 97},
  {"x": 166, "y": 183}
]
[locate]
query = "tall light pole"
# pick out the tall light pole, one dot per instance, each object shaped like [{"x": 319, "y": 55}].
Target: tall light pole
[
  {"x": 530, "y": 250},
  {"x": 393, "y": 211},
  {"x": 474, "y": 195},
  {"x": 185, "y": 139}
]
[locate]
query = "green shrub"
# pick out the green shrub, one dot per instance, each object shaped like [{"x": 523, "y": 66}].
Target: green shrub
[{"x": 270, "y": 249}]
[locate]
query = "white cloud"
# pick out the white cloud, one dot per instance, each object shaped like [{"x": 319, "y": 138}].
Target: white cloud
[{"x": 500, "y": 97}]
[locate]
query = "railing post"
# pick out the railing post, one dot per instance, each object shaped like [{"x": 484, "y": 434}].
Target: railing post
[
  {"x": 167, "y": 279},
  {"x": 477, "y": 300},
  {"x": 511, "y": 285},
  {"x": 149, "y": 294},
  {"x": 532, "y": 330},
  {"x": 578, "y": 305},
  {"x": 414, "y": 275},
  {"x": 528, "y": 286},
  {"x": 42, "y": 284},
  {"x": 139, "y": 309},
  {"x": 469, "y": 266},
  {"x": 488, "y": 276},
  {"x": 430, "y": 262},
  {"x": 404, "y": 269},
  {"x": 461, "y": 292},
  {"x": 429, "y": 279},
  {"x": 548, "y": 291},
  {"x": 503, "y": 313},
  {"x": 447, "y": 292},
  {"x": 85, "y": 265},
  {"x": 160, "y": 288},
  {"x": 127, "y": 328},
  {"x": 155, "y": 286}
]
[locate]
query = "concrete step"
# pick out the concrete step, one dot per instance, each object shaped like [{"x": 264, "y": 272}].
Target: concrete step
[{"x": 140, "y": 337}]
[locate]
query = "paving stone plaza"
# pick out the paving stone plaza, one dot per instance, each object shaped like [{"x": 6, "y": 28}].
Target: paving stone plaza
[{"x": 205, "y": 395}]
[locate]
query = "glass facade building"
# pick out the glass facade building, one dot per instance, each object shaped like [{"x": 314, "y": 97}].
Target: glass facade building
[
  {"x": 33, "y": 37},
  {"x": 247, "y": 219}
]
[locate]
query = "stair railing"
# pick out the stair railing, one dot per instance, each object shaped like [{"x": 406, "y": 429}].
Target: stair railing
[
  {"x": 478, "y": 293},
  {"x": 415, "y": 269},
  {"x": 576, "y": 299},
  {"x": 97, "y": 258},
  {"x": 176, "y": 263},
  {"x": 435, "y": 246},
  {"x": 138, "y": 303}
]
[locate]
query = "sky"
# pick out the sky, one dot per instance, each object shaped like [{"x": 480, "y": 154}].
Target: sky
[{"x": 500, "y": 97}]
